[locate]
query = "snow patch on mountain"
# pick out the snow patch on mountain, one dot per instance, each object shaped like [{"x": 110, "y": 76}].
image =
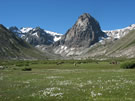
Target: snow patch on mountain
[
  {"x": 119, "y": 33},
  {"x": 57, "y": 36},
  {"x": 22, "y": 32},
  {"x": 35, "y": 34},
  {"x": 25, "y": 30}
]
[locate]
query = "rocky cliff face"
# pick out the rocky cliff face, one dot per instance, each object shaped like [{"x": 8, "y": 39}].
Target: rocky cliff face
[
  {"x": 84, "y": 33},
  {"x": 38, "y": 36}
]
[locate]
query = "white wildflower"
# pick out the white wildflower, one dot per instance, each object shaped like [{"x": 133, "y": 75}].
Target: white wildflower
[
  {"x": 93, "y": 94},
  {"x": 54, "y": 77},
  {"x": 64, "y": 83},
  {"x": 89, "y": 82},
  {"x": 99, "y": 94}
]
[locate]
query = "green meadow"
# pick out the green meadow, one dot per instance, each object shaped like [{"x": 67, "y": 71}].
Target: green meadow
[{"x": 66, "y": 81}]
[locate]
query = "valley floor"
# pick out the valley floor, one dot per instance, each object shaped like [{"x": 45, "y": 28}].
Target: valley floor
[{"x": 66, "y": 82}]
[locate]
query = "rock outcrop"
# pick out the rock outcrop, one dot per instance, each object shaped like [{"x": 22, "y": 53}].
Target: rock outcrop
[{"x": 84, "y": 33}]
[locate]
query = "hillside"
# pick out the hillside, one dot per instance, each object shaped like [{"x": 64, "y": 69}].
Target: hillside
[
  {"x": 12, "y": 47},
  {"x": 123, "y": 47}
]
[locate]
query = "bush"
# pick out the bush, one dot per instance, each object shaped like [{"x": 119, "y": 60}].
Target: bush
[
  {"x": 128, "y": 65},
  {"x": 14, "y": 68},
  {"x": 26, "y": 64},
  {"x": 19, "y": 65},
  {"x": 22, "y": 64},
  {"x": 27, "y": 69}
]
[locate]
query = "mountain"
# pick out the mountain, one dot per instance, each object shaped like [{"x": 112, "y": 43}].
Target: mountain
[
  {"x": 56, "y": 36},
  {"x": 36, "y": 36},
  {"x": 84, "y": 40},
  {"x": 119, "y": 43},
  {"x": 84, "y": 33},
  {"x": 124, "y": 47},
  {"x": 13, "y": 47},
  {"x": 120, "y": 48},
  {"x": 119, "y": 33}
]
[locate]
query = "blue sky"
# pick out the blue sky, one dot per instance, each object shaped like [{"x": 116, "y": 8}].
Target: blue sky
[{"x": 60, "y": 15}]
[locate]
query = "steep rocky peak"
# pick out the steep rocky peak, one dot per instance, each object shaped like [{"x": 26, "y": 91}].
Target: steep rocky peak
[
  {"x": 85, "y": 32},
  {"x": 85, "y": 20},
  {"x": 38, "y": 29}
]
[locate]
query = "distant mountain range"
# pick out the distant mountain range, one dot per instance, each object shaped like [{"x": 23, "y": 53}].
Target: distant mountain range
[
  {"x": 36, "y": 36},
  {"x": 84, "y": 40},
  {"x": 119, "y": 33}
]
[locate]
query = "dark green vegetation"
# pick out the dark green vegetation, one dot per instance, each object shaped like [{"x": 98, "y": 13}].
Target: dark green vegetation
[
  {"x": 128, "y": 65},
  {"x": 27, "y": 69},
  {"x": 69, "y": 80}
]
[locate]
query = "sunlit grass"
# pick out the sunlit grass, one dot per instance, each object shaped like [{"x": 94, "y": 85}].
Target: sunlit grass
[{"x": 66, "y": 82}]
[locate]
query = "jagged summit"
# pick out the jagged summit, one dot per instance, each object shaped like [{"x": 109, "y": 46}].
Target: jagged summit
[
  {"x": 85, "y": 30},
  {"x": 86, "y": 19},
  {"x": 36, "y": 36},
  {"x": 84, "y": 33}
]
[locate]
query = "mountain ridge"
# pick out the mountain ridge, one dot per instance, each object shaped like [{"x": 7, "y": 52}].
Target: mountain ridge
[
  {"x": 84, "y": 39},
  {"x": 13, "y": 47},
  {"x": 118, "y": 33},
  {"x": 36, "y": 36}
]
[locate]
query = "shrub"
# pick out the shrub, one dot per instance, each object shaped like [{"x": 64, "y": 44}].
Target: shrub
[
  {"x": 27, "y": 69},
  {"x": 128, "y": 65},
  {"x": 20, "y": 65},
  {"x": 14, "y": 68},
  {"x": 26, "y": 64}
]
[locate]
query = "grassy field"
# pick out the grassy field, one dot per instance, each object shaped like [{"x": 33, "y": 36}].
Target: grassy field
[{"x": 65, "y": 82}]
